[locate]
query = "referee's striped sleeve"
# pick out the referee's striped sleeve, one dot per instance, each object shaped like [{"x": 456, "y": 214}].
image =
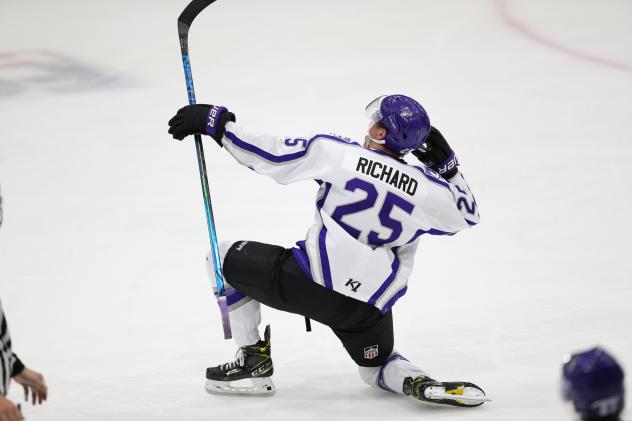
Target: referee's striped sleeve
[
  {"x": 5, "y": 353},
  {"x": 10, "y": 364},
  {"x": 16, "y": 365}
]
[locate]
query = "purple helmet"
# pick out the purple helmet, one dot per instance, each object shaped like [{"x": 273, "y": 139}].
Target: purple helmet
[
  {"x": 407, "y": 123},
  {"x": 594, "y": 382}
]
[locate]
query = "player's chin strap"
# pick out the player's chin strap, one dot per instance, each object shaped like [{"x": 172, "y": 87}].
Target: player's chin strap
[{"x": 368, "y": 139}]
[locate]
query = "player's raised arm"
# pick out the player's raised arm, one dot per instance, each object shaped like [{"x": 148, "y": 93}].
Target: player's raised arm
[
  {"x": 437, "y": 155},
  {"x": 285, "y": 160}
]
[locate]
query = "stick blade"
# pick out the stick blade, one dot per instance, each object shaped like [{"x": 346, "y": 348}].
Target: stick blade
[
  {"x": 192, "y": 10},
  {"x": 223, "y": 309}
]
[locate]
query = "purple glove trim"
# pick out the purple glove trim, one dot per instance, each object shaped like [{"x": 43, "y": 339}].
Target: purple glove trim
[
  {"x": 212, "y": 120},
  {"x": 448, "y": 165}
]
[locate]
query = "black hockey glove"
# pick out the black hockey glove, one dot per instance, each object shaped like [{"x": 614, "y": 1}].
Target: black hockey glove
[
  {"x": 200, "y": 119},
  {"x": 437, "y": 154}
]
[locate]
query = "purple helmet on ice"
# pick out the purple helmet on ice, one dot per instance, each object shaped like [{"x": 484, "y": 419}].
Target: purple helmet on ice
[
  {"x": 594, "y": 382},
  {"x": 406, "y": 122}
]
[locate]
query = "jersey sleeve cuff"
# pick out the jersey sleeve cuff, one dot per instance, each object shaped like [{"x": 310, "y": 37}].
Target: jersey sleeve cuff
[{"x": 18, "y": 367}]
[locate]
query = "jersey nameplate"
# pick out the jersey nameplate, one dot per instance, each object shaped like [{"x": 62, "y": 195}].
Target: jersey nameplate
[{"x": 380, "y": 171}]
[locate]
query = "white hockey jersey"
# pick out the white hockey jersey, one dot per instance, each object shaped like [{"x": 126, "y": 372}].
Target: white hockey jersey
[{"x": 371, "y": 209}]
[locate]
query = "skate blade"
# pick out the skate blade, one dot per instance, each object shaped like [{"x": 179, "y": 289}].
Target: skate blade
[
  {"x": 259, "y": 387},
  {"x": 467, "y": 395}
]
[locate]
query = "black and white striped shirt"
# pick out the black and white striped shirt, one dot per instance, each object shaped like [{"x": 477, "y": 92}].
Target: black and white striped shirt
[{"x": 10, "y": 364}]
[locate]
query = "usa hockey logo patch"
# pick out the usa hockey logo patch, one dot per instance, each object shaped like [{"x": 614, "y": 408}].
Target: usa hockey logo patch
[{"x": 371, "y": 352}]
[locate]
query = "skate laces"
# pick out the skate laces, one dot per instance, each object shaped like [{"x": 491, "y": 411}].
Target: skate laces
[{"x": 239, "y": 360}]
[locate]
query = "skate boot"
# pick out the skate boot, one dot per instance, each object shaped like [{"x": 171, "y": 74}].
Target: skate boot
[
  {"x": 445, "y": 393},
  {"x": 249, "y": 374}
]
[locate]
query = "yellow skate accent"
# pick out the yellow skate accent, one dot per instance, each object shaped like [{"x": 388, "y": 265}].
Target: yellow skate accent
[{"x": 458, "y": 391}]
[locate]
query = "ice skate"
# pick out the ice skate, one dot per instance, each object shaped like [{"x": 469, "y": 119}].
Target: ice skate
[
  {"x": 249, "y": 374},
  {"x": 444, "y": 393}
]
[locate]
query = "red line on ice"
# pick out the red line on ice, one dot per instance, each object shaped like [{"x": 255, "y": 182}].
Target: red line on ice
[{"x": 503, "y": 11}]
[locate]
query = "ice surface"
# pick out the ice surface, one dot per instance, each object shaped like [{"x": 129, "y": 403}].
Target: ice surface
[{"x": 102, "y": 249}]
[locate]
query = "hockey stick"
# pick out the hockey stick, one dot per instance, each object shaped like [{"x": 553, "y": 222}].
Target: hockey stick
[{"x": 184, "y": 23}]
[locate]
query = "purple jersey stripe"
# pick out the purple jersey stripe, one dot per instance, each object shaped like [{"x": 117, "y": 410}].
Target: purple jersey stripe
[
  {"x": 324, "y": 258},
  {"x": 265, "y": 155},
  {"x": 417, "y": 234},
  {"x": 321, "y": 202},
  {"x": 280, "y": 158},
  {"x": 300, "y": 254},
  {"x": 388, "y": 281},
  {"x": 431, "y": 231},
  {"x": 390, "y": 303}
]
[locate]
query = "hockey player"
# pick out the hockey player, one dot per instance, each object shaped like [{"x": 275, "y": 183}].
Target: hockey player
[
  {"x": 593, "y": 381},
  {"x": 12, "y": 368},
  {"x": 371, "y": 209}
]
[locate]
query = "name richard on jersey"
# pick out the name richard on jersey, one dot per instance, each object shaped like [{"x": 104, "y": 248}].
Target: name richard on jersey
[{"x": 387, "y": 174}]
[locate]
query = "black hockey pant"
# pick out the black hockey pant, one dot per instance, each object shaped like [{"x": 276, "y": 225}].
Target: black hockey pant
[{"x": 270, "y": 275}]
